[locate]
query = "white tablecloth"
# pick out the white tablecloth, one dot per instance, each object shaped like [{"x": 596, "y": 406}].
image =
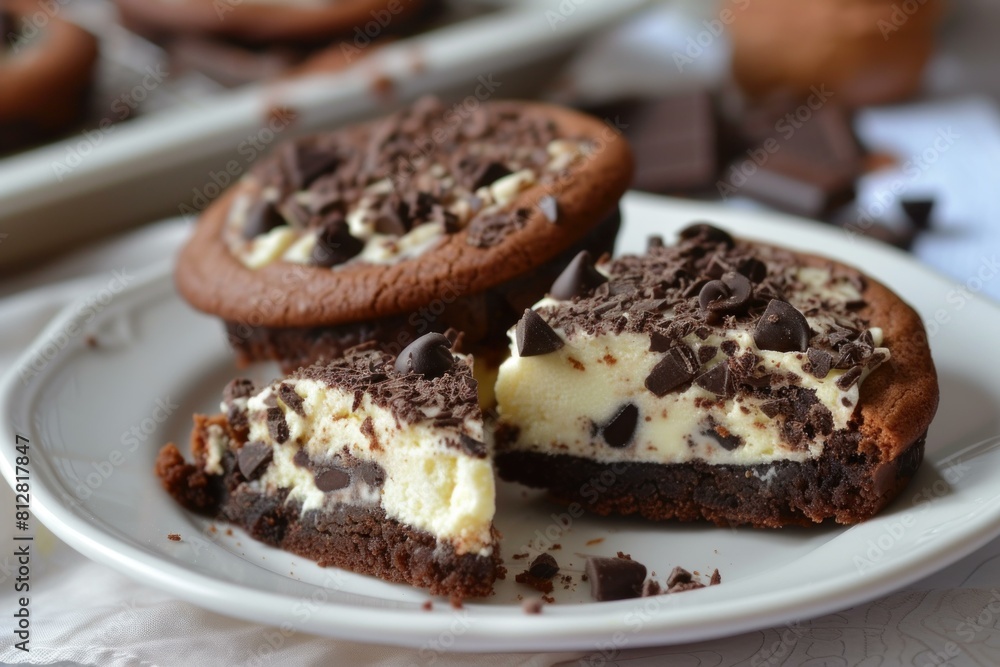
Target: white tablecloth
[{"x": 86, "y": 613}]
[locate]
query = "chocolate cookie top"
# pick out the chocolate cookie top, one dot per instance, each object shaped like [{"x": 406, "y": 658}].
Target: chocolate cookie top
[
  {"x": 383, "y": 218},
  {"x": 425, "y": 384},
  {"x": 42, "y": 70},
  {"x": 266, "y": 21}
]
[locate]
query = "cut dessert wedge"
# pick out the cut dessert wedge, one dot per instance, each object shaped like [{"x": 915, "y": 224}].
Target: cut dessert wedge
[
  {"x": 369, "y": 463},
  {"x": 717, "y": 379}
]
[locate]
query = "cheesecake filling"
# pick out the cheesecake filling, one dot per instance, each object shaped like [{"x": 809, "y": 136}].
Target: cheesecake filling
[
  {"x": 392, "y": 189},
  {"x": 562, "y": 400},
  {"x": 612, "y": 389},
  {"x": 327, "y": 446}
]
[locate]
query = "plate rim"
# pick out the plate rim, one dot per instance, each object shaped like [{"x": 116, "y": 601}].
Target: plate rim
[{"x": 491, "y": 627}]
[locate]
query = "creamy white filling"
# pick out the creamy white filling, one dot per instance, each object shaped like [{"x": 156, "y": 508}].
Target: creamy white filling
[
  {"x": 216, "y": 444},
  {"x": 429, "y": 485},
  {"x": 285, "y": 244},
  {"x": 558, "y": 399}
]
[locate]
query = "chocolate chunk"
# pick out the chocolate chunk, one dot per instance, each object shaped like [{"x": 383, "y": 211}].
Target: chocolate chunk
[
  {"x": 577, "y": 279},
  {"x": 717, "y": 380},
  {"x": 253, "y": 458},
  {"x": 487, "y": 174},
  {"x": 727, "y": 440},
  {"x": 678, "y": 576},
  {"x": 305, "y": 163},
  {"x": 615, "y": 578},
  {"x": 716, "y": 578},
  {"x": 261, "y": 218},
  {"x": 782, "y": 328},
  {"x": 286, "y": 393},
  {"x": 706, "y": 352},
  {"x": 659, "y": 342},
  {"x": 370, "y": 473},
  {"x": 706, "y": 233},
  {"x": 430, "y": 356},
  {"x": 331, "y": 478},
  {"x": 820, "y": 362},
  {"x": 334, "y": 244},
  {"x": 675, "y": 141},
  {"x": 471, "y": 446},
  {"x": 619, "y": 431},
  {"x": 918, "y": 211},
  {"x": 534, "y": 336},
  {"x": 544, "y": 567},
  {"x": 677, "y": 367},
  {"x": 729, "y": 294},
  {"x": 237, "y": 388},
  {"x": 848, "y": 379},
  {"x": 549, "y": 206},
  {"x": 752, "y": 268},
  {"x": 301, "y": 458},
  {"x": 276, "y": 425},
  {"x": 650, "y": 588}
]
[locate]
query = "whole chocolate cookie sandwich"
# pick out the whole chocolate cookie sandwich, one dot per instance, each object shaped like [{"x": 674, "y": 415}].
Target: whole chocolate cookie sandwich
[
  {"x": 430, "y": 219},
  {"x": 369, "y": 463},
  {"x": 45, "y": 75},
  {"x": 717, "y": 379}
]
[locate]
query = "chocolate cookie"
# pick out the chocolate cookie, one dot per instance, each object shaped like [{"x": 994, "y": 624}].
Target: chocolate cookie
[
  {"x": 45, "y": 75},
  {"x": 294, "y": 22},
  {"x": 433, "y": 218},
  {"x": 718, "y": 379}
]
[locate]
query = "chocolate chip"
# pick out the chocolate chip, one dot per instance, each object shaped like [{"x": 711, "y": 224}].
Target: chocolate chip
[
  {"x": 430, "y": 356},
  {"x": 717, "y": 380},
  {"x": 370, "y": 473},
  {"x": 706, "y": 233},
  {"x": 334, "y": 244},
  {"x": 286, "y": 393},
  {"x": 301, "y": 458},
  {"x": 820, "y": 362},
  {"x": 677, "y": 367},
  {"x": 253, "y": 458},
  {"x": 615, "y": 578},
  {"x": 729, "y": 294},
  {"x": 331, "y": 478},
  {"x": 918, "y": 211},
  {"x": 276, "y": 425},
  {"x": 549, "y": 206},
  {"x": 619, "y": 430},
  {"x": 237, "y": 388},
  {"x": 727, "y": 440},
  {"x": 577, "y": 279},
  {"x": 544, "y": 567},
  {"x": 752, "y": 268},
  {"x": 487, "y": 174},
  {"x": 261, "y": 218},
  {"x": 534, "y": 336},
  {"x": 782, "y": 328}
]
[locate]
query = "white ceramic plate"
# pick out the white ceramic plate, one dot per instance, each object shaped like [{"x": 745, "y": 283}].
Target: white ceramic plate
[{"x": 95, "y": 417}]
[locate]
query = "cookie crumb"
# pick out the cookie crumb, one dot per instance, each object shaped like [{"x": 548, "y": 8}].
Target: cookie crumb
[
  {"x": 596, "y": 540},
  {"x": 456, "y": 603},
  {"x": 532, "y": 606},
  {"x": 173, "y": 537},
  {"x": 427, "y": 605}
]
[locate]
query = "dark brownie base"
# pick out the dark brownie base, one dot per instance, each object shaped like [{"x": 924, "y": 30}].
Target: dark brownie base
[
  {"x": 842, "y": 485},
  {"x": 483, "y": 318},
  {"x": 361, "y": 539}
]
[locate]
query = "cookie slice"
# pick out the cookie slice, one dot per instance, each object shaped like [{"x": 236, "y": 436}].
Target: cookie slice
[
  {"x": 436, "y": 217},
  {"x": 717, "y": 379},
  {"x": 371, "y": 464}
]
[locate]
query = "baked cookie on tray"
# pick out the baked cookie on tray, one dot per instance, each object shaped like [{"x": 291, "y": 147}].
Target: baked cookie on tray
[
  {"x": 46, "y": 75},
  {"x": 433, "y": 218},
  {"x": 370, "y": 463},
  {"x": 295, "y": 22},
  {"x": 717, "y": 379}
]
